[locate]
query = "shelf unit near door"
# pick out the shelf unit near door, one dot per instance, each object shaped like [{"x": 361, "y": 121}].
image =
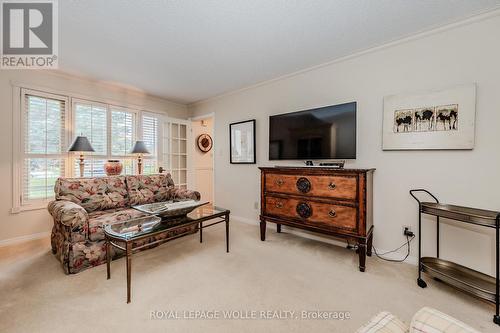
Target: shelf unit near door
[
  {"x": 460, "y": 277},
  {"x": 176, "y": 140}
]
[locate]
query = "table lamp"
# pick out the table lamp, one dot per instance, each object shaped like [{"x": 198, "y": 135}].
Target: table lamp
[
  {"x": 81, "y": 145},
  {"x": 139, "y": 149}
]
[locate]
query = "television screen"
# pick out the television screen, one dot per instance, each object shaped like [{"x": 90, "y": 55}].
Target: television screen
[{"x": 324, "y": 133}]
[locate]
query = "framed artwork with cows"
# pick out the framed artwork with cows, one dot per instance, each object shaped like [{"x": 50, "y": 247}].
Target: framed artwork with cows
[{"x": 438, "y": 119}]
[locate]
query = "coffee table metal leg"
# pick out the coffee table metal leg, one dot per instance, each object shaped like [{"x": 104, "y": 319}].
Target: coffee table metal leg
[
  {"x": 129, "y": 268},
  {"x": 227, "y": 232},
  {"x": 108, "y": 257},
  {"x": 201, "y": 232}
]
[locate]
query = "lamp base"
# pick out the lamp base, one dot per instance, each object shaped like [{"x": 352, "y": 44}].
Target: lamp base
[
  {"x": 139, "y": 165},
  {"x": 82, "y": 165}
]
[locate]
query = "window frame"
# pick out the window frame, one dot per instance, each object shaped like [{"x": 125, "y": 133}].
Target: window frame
[
  {"x": 73, "y": 157},
  {"x": 19, "y": 154},
  {"x": 109, "y": 107},
  {"x": 18, "y": 130}
]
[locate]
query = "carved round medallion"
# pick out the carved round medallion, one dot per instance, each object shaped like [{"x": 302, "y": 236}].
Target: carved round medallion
[
  {"x": 304, "y": 210},
  {"x": 303, "y": 185}
]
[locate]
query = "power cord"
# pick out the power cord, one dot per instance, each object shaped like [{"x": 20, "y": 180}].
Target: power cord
[
  {"x": 407, "y": 243},
  {"x": 409, "y": 237}
]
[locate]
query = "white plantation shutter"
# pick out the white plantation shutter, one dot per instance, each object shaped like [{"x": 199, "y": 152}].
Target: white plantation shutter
[
  {"x": 150, "y": 136},
  {"x": 44, "y": 144},
  {"x": 90, "y": 120},
  {"x": 111, "y": 132},
  {"x": 122, "y": 131},
  {"x": 123, "y": 125}
]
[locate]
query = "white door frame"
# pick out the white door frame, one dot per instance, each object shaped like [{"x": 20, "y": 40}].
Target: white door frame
[{"x": 201, "y": 117}]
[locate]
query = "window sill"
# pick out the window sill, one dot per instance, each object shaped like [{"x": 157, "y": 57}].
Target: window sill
[{"x": 25, "y": 208}]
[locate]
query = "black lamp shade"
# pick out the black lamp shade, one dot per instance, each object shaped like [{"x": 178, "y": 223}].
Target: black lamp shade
[
  {"x": 139, "y": 148},
  {"x": 81, "y": 143}
]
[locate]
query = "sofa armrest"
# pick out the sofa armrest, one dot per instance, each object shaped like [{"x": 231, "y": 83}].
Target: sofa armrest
[
  {"x": 182, "y": 193},
  {"x": 68, "y": 213},
  {"x": 431, "y": 320}
]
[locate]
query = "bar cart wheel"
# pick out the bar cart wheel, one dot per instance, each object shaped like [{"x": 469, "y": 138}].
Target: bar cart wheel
[
  {"x": 421, "y": 283},
  {"x": 496, "y": 319}
]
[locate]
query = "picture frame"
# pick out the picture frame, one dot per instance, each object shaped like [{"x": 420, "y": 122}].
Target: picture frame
[
  {"x": 242, "y": 142},
  {"x": 430, "y": 120}
]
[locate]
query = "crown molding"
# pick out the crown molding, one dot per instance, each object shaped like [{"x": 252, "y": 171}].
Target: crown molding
[{"x": 112, "y": 86}]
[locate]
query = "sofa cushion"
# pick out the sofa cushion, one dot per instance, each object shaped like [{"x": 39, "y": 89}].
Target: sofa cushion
[
  {"x": 431, "y": 320},
  {"x": 93, "y": 194},
  {"x": 98, "y": 218},
  {"x": 143, "y": 189},
  {"x": 384, "y": 322}
]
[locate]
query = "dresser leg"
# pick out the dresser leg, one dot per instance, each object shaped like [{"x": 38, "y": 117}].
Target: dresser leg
[
  {"x": 278, "y": 228},
  {"x": 362, "y": 256},
  {"x": 369, "y": 245},
  {"x": 262, "y": 230}
]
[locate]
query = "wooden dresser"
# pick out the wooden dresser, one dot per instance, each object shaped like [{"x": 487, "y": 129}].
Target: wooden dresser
[{"x": 335, "y": 202}]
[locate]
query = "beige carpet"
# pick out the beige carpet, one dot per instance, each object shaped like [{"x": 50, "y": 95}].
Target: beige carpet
[{"x": 286, "y": 273}]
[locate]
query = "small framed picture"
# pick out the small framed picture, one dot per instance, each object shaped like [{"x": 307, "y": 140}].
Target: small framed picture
[{"x": 242, "y": 142}]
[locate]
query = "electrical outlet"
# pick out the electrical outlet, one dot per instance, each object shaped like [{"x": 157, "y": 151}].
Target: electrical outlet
[
  {"x": 256, "y": 205},
  {"x": 406, "y": 228}
]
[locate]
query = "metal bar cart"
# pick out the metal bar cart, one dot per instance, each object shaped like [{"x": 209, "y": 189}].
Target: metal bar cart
[{"x": 460, "y": 277}]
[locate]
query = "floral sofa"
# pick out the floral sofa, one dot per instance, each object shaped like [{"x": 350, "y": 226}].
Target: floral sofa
[{"x": 83, "y": 205}]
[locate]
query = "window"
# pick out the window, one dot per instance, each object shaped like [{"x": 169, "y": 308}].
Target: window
[
  {"x": 96, "y": 121},
  {"x": 45, "y": 124},
  {"x": 123, "y": 124},
  {"x": 43, "y": 145},
  {"x": 90, "y": 120},
  {"x": 122, "y": 131},
  {"x": 150, "y": 124}
]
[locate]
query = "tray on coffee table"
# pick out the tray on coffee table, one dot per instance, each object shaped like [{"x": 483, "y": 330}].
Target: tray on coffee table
[{"x": 171, "y": 208}]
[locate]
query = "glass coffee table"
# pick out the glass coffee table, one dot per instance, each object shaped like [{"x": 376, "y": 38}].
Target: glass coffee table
[{"x": 128, "y": 235}]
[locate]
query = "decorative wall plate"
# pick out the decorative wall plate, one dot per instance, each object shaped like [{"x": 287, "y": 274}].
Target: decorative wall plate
[{"x": 204, "y": 142}]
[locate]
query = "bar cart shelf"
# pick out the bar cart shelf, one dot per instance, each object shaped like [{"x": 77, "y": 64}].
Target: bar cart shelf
[{"x": 453, "y": 274}]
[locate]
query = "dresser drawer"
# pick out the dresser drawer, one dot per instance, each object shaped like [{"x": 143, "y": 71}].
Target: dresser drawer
[
  {"x": 340, "y": 187},
  {"x": 318, "y": 214}
]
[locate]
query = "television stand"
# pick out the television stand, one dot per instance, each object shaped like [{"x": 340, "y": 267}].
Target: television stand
[{"x": 325, "y": 200}]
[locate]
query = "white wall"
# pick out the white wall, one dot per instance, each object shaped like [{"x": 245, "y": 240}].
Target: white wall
[
  {"x": 464, "y": 53},
  {"x": 29, "y": 223}
]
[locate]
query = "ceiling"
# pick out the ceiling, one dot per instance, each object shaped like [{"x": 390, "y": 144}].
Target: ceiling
[{"x": 190, "y": 50}]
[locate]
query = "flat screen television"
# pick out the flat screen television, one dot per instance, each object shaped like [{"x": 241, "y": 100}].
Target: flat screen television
[{"x": 323, "y": 133}]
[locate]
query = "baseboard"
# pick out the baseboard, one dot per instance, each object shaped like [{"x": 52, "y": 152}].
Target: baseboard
[
  {"x": 302, "y": 233},
  {"x": 244, "y": 220},
  {"x": 22, "y": 239}
]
